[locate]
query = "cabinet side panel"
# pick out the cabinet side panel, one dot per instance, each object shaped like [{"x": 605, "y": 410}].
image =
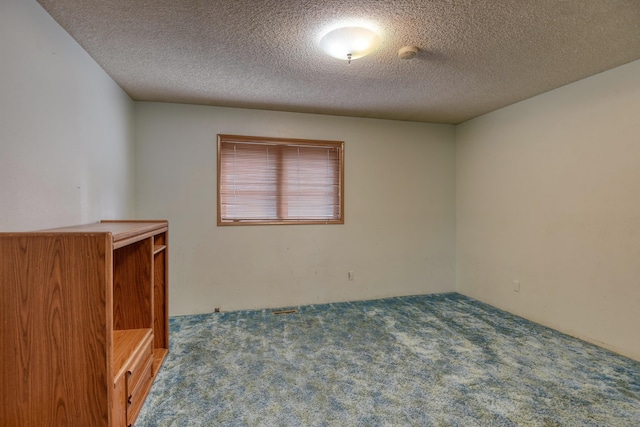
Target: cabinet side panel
[
  {"x": 54, "y": 330},
  {"x": 119, "y": 411},
  {"x": 160, "y": 313}
]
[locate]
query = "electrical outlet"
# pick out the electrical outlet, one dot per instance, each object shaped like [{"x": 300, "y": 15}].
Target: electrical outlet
[
  {"x": 516, "y": 286},
  {"x": 350, "y": 275}
]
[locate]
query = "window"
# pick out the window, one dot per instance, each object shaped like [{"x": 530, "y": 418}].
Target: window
[{"x": 279, "y": 181}]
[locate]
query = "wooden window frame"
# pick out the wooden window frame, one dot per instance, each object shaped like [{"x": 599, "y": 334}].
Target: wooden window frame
[{"x": 225, "y": 138}]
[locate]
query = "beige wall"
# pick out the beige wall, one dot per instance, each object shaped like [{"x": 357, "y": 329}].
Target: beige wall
[
  {"x": 66, "y": 129},
  {"x": 548, "y": 194},
  {"x": 398, "y": 236}
]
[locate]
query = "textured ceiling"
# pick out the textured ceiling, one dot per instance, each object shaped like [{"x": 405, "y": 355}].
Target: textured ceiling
[{"x": 476, "y": 56}]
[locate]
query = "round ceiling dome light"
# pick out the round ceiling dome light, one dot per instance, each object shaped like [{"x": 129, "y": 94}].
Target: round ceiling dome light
[{"x": 349, "y": 42}]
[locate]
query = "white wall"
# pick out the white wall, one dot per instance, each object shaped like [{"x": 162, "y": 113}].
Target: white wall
[
  {"x": 548, "y": 193},
  {"x": 398, "y": 235},
  {"x": 66, "y": 128}
]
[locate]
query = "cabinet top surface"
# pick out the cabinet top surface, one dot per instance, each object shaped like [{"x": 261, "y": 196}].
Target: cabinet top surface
[{"x": 120, "y": 230}]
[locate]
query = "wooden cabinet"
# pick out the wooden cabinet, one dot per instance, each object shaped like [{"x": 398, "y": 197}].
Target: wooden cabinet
[{"x": 83, "y": 322}]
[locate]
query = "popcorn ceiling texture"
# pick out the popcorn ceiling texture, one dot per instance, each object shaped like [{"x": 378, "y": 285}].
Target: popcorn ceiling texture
[{"x": 476, "y": 56}]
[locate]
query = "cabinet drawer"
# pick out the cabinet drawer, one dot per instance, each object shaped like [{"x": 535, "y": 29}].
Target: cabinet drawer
[
  {"x": 137, "y": 370},
  {"x": 137, "y": 395}
]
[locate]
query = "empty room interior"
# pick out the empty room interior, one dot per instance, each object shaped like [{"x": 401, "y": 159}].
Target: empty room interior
[{"x": 485, "y": 266}]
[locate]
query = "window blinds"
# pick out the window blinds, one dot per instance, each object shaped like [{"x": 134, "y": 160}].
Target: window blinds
[{"x": 265, "y": 180}]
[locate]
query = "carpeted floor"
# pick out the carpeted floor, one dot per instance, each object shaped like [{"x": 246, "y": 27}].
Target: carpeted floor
[{"x": 436, "y": 360}]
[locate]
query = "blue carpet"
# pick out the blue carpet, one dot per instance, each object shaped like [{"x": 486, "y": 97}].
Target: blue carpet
[{"x": 435, "y": 360}]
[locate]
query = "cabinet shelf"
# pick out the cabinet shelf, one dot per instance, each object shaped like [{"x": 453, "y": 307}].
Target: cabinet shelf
[{"x": 126, "y": 345}]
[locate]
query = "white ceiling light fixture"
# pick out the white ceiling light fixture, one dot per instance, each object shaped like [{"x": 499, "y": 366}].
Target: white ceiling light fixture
[{"x": 349, "y": 42}]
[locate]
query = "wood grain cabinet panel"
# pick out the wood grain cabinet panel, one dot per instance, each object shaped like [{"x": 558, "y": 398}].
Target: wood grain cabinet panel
[{"x": 83, "y": 322}]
